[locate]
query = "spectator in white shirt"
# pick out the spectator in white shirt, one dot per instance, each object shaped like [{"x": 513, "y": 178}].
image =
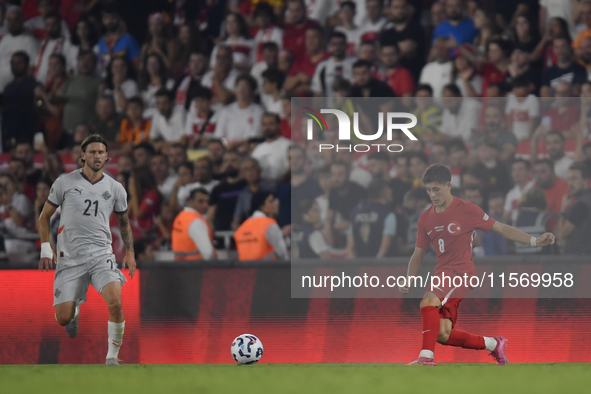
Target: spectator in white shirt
[
  {"x": 339, "y": 65},
  {"x": 270, "y": 59},
  {"x": 347, "y": 26},
  {"x": 221, "y": 79},
  {"x": 15, "y": 40},
  {"x": 522, "y": 109},
  {"x": 201, "y": 120},
  {"x": 272, "y": 154},
  {"x": 203, "y": 178},
  {"x": 36, "y": 25},
  {"x": 55, "y": 43},
  {"x": 438, "y": 72},
  {"x": 521, "y": 175},
  {"x": 168, "y": 124},
  {"x": 237, "y": 37},
  {"x": 460, "y": 116},
  {"x": 164, "y": 178},
  {"x": 368, "y": 32},
  {"x": 17, "y": 211},
  {"x": 240, "y": 120},
  {"x": 272, "y": 86},
  {"x": 120, "y": 82},
  {"x": 265, "y": 20}
]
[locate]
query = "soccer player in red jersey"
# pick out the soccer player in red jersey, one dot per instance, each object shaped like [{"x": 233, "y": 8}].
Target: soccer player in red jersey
[{"x": 449, "y": 225}]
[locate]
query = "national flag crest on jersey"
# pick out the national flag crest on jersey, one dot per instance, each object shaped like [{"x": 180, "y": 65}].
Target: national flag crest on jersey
[{"x": 106, "y": 195}]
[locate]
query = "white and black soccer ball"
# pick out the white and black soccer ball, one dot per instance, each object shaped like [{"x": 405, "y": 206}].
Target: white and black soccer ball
[{"x": 247, "y": 349}]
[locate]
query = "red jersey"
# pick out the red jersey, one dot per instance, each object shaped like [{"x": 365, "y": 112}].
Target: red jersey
[
  {"x": 452, "y": 232},
  {"x": 294, "y": 38}
]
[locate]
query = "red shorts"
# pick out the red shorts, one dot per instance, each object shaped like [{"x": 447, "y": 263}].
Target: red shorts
[{"x": 445, "y": 290}]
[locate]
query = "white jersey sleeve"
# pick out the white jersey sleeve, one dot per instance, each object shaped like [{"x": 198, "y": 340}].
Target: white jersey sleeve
[
  {"x": 120, "y": 205},
  {"x": 56, "y": 193}
]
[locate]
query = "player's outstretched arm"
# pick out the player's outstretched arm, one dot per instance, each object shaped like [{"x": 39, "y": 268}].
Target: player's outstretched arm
[
  {"x": 414, "y": 266},
  {"x": 514, "y": 234},
  {"x": 47, "y": 256},
  {"x": 127, "y": 237}
]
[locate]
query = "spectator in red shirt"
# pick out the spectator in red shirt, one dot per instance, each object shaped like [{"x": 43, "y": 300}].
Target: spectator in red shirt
[
  {"x": 303, "y": 69},
  {"x": 144, "y": 198},
  {"x": 555, "y": 188},
  {"x": 564, "y": 114},
  {"x": 396, "y": 76},
  {"x": 294, "y": 34},
  {"x": 493, "y": 70}
]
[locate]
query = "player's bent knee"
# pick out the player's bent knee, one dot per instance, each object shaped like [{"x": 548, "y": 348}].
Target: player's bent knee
[
  {"x": 443, "y": 335},
  {"x": 430, "y": 302},
  {"x": 115, "y": 307},
  {"x": 63, "y": 318}
]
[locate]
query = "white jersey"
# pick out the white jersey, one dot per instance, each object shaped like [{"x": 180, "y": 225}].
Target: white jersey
[{"x": 86, "y": 207}]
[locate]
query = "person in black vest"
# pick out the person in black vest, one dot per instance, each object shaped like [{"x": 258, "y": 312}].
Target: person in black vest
[
  {"x": 373, "y": 224},
  {"x": 574, "y": 225},
  {"x": 307, "y": 240}
]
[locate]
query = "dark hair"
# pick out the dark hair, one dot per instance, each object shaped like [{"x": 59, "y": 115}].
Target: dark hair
[
  {"x": 139, "y": 247},
  {"x": 546, "y": 162},
  {"x": 475, "y": 187},
  {"x": 340, "y": 163},
  {"x": 349, "y": 3},
  {"x": 504, "y": 45},
  {"x": 340, "y": 84},
  {"x": 562, "y": 37},
  {"x": 199, "y": 190},
  {"x": 53, "y": 15},
  {"x": 424, "y": 86},
  {"x": 94, "y": 138},
  {"x": 144, "y": 77},
  {"x": 109, "y": 78},
  {"x": 559, "y": 134},
  {"x": 496, "y": 194},
  {"x": 203, "y": 93},
  {"x": 362, "y": 63},
  {"x": 337, "y": 34},
  {"x": 16, "y": 159},
  {"x": 264, "y": 9},
  {"x": 454, "y": 89},
  {"x": 533, "y": 198},
  {"x": 499, "y": 85},
  {"x": 258, "y": 200},
  {"x": 420, "y": 193},
  {"x": 317, "y": 28},
  {"x": 273, "y": 115},
  {"x": 563, "y": 27},
  {"x": 437, "y": 173},
  {"x": 305, "y": 206},
  {"x": 148, "y": 147},
  {"x": 242, "y": 26},
  {"x": 86, "y": 52},
  {"x": 144, "y": 180},
  {"x": 249, "y": 79},
  {"x": 585, "y": 173},
  {"x": 136, "y": 100},
  {"x": 23, "y": 55},
  {"x": 272, "y": 46},
  {"x": 525, "y": 163},
  {"x": 375, "y": 189},
  {"x": 163, "y": 92},
  {"x": 275, "y": 76},
  {"x": 422, "y": 156},
  {"x": 92, "y": 34},
  {"x": 9, "y": 177},
  {"x": 379, "y": 156},
  {"x": 392, "y": 44},
  {"x": 521, "y": 81},
  {"x": 189, "y": 165}
]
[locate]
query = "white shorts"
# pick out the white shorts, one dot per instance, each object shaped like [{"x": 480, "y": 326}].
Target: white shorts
[{"x": 71, "y": 283}]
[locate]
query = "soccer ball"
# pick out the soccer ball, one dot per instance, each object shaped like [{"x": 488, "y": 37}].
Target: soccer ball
[{"x": 247, "y": 349}]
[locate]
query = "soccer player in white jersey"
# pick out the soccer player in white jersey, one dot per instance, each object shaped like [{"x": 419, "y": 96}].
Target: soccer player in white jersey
[{"x": 83, "y": 252}]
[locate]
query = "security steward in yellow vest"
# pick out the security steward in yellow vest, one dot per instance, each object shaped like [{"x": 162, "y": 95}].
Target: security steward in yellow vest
[
  {"x": 259, "y": 237},
  {"x": 192, "y": 238}
]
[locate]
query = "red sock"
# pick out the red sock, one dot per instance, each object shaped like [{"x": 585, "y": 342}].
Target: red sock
[
  {"x": 465, "y": 339},
  {"x": 431, "y": 325}
]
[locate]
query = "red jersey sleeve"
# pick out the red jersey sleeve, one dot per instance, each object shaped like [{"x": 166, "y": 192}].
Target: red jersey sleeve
[
  {"x": 423, "y": 240},
  {"x": 478, "y": 219}
]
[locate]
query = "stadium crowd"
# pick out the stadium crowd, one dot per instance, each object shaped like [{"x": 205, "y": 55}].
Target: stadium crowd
[{"x": 197, "y": 94}]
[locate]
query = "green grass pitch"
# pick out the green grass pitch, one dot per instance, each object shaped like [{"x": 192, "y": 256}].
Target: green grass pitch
[{"x": 296, "y": 378}]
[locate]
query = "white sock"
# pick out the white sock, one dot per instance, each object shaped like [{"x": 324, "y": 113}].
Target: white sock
[
  {"x": 115, "y": 338},
  {"x": 426, "y": 353},
  {"x": 490, "y": 343}
]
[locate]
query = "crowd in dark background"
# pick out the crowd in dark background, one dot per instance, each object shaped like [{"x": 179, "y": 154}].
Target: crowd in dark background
[{"x": 193, "y": 94}]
